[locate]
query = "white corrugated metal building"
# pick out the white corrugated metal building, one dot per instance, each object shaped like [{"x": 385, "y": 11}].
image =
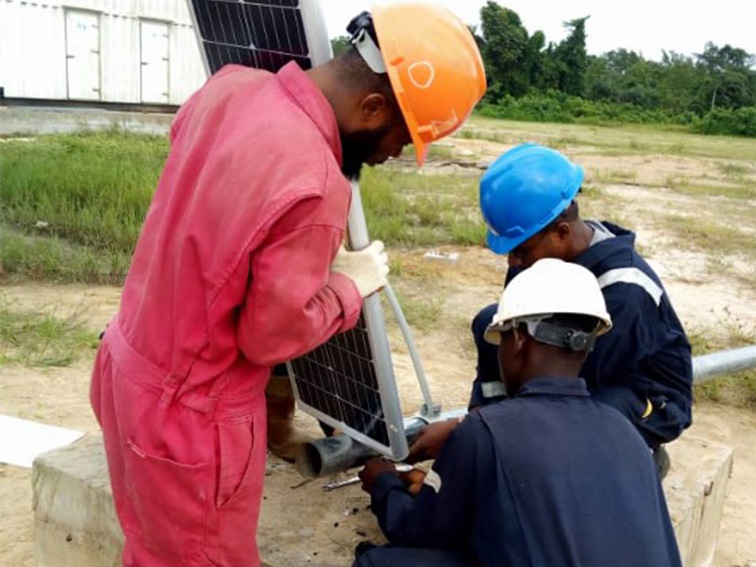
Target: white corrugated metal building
[{"x": 112, "y": 51}]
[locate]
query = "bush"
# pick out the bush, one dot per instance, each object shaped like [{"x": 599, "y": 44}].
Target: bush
[
  {"x": 740, "y": 122},
  {"x": 558, "y": 107}
]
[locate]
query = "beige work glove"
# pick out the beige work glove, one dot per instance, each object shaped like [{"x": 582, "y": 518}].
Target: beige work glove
[{"x": 367, "y": 268}]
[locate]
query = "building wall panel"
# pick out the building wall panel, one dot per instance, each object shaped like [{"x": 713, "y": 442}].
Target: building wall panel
[{"x": 33, "y": 48}]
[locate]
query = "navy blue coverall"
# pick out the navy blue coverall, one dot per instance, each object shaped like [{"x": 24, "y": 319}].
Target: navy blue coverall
[
  {"x": 549, "y": 478},
  {"x": 644, "y": 358}
]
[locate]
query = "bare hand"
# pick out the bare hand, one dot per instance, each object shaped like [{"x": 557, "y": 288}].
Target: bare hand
[
  {"x": 431, "y": 440},
  {"x": 373, "y": 469}
]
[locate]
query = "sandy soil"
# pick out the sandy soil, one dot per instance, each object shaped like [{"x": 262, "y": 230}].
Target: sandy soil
[
  {"x": 59, "y": 396},
  {"x": 708, "y": 301}
]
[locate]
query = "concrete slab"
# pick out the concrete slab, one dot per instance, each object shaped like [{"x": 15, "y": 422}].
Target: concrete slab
[
  {"x": 75, "y": 523},
  {"x": 696, "y": 488},
  {"x": 36, "y": 120}
]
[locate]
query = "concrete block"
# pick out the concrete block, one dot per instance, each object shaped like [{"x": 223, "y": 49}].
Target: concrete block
[
  {"x": 696, "y": 488},
  {"x": 76, "y": 526}
]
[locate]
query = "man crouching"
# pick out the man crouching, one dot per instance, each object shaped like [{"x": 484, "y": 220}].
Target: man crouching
[{"x": 546, "y": 477}]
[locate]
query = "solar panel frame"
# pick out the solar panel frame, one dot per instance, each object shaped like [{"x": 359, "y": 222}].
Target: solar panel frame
[
  {"x": 255, "y": 46},
  {"x": 372, "y": 311},
  {"x": 248, "y": 46}
]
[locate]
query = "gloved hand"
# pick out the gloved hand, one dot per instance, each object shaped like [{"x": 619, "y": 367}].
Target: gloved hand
[{"x": 367, "y": 268}]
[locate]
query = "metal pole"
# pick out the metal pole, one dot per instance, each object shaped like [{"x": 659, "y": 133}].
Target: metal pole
[
  {"x": 708, "y": 366},
  {"x": 429, "y": 409},
  {"x": 339, "y": 453}
]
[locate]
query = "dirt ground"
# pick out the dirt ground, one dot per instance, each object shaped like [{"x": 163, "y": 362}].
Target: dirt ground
[{"x": 711, "y": 302}]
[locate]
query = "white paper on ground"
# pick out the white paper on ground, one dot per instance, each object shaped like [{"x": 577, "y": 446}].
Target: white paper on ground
[{"x": 22, "y": 440}]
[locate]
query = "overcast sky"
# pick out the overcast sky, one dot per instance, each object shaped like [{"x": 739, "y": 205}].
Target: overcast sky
[{"x": 648, "y": 26}]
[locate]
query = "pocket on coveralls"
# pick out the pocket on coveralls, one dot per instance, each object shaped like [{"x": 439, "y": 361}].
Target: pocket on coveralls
[
  {"x": 236, "y": 443},
  {"x": 168, "y": 499}
]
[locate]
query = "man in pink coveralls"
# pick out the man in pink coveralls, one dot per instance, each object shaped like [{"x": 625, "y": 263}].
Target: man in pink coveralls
[{"x": 240, "y": 266}]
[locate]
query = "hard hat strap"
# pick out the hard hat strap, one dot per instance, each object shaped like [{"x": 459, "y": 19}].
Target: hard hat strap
[
  {"x": 369, "y": 51},
  {"x": 562, "y": 337},
  {"x": 555, "y": 335}
]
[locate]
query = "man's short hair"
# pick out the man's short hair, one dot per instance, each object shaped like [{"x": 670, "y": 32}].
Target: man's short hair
[
  {"x": 353, "y": 71},
  {"x": 570, "y": 214}
]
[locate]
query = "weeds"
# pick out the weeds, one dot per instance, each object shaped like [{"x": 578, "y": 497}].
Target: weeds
[
  {"x": 53, "y": 259},
  {"x": 737, "y": 389},
  {"x": 41, "y": 339},
  {"x": 408, "y": 209},
  {"x": 696, "y": 233},
  {"x": 614, "y": 176},
  {"x": 93, "y": 189}
]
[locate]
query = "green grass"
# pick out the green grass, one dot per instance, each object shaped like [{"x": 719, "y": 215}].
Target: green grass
[
  {"x": 700, "y": 234},
  {"x": 73, "y": 204},
  {"x": 51, "y": 259},
  {"x": 410, "y": 209},
  {"x": 93, "y": 189},
  {"x": 616, "y": 140},
  {"x": 734, "y": 170},
  {"x": 421, "y": 309},
  {"x": 734, "y": 186},
  {"x": 42, "y": 339},
  {"x": 609, "y": 176},
  {"x": 737, "y": 389}
]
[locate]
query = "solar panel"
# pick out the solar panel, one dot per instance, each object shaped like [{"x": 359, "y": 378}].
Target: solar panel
[
  {"x": 265, "y": 34},
  {"x": 348, "y": 382}
]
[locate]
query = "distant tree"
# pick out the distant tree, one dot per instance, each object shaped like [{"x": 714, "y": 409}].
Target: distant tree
[
  {"x": 340, "y": 44},
  {"x": 505, "y": 43},
  {"x": 730, "y": 79},
  {"x": 573, "y": 57},
  {"x": 679, "y": 82}
]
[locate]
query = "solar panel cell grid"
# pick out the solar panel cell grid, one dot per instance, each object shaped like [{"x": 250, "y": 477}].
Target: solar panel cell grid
[
  {"x": 339, "y": 378},
  {"x": 347, "y": 382},
  {"x": 262, "y": 34}
]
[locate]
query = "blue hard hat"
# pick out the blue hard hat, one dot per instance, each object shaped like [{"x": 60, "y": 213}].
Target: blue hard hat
[{"x": 523, "y": 191}]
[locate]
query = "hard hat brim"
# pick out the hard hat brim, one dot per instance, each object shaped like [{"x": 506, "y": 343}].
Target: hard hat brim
[
  {"x": 501, "y": 244},
  {"x": 504, "y": 243}
]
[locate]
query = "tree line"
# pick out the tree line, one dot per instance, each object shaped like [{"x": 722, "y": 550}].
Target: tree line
[{"x": 531, "y": 79}]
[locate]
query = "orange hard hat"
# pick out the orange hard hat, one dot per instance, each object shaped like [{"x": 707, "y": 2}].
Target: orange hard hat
[{"x": 434, "y": 66}]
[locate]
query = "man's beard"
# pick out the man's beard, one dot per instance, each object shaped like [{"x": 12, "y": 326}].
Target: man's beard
[{"x": 357, "y": 148}]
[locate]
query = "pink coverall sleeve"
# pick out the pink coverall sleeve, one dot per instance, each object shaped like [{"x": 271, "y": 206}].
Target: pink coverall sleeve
[{"x": 295, "y": 303}]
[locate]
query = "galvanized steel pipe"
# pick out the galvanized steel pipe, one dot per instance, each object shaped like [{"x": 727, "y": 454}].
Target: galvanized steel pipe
[
  {"x": 708, "y": 366},
  {"x": 339, "y": 453}
]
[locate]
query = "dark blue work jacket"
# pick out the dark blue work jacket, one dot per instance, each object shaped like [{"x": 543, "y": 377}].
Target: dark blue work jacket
[
  {"x": 644, "y": 359},
  {"x": 549, "y": 478}
]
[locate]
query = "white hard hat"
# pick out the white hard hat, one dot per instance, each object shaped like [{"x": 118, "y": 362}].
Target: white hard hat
[{"x": 549, "y": 287}]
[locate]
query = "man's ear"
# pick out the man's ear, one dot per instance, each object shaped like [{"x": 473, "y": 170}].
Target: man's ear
[
  {"x": 563, "y": 230},
  {"x": 374, "y": 111},
  {"x": 520, "y": 341}
]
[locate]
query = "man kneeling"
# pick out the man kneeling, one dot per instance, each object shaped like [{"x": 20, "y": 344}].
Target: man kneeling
[{"x": 547, "y": 477}]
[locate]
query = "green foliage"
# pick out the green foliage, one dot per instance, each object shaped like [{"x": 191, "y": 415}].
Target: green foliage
[
  {"x": 73, "y": 204},
  {"x": 54, "y": 260},
  {"x": 740, "y": 122},
  {"x": 530, "y": 80},
  {"x": 92, "y": 189},
  {"x": 573, "y": 58},
  {"x": 41, "y": 339},
  {"x": 558, "y": 107},
  {"x": 340, "y": 44},
  {"x": 409, "y": 209},
  {"x": 505, "y": 49}
]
